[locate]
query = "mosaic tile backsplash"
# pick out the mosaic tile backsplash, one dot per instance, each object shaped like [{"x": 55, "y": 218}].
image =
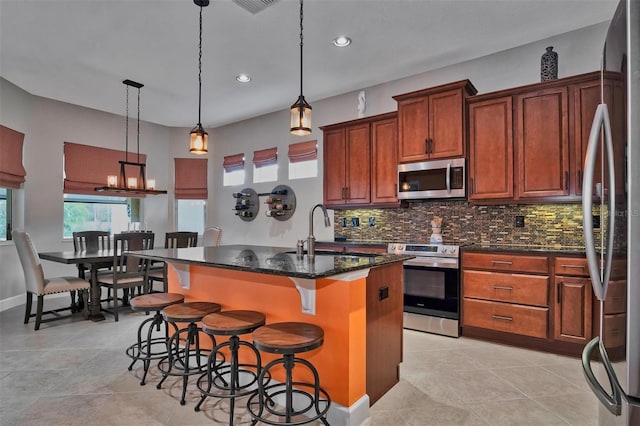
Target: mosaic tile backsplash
[{"x": 545, "y": 225}]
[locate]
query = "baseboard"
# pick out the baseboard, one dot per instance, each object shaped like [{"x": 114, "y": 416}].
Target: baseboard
[{"x": 20, "y": 299}]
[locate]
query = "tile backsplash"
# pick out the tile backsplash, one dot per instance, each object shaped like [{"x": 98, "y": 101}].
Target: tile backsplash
[{"x": 544, "y": 224}]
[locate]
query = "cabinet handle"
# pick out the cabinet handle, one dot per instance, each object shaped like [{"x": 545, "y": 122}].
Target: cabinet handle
[
  {"x": 503, "y": 318},
  {"x": 344, "y": 192},
  {"x": 566, "y": 179},
  {"x": 501, "y": 262},
  {"x": 573, "y": 266},
  {"x": 559, "y": 294},
  {"x": 500, "y": 287},
  {"x": 426, "y": 146},
  {"x": 471, "y": 186},
  {"x": 430, "y": 146},
  {"x": 579, "y": 178}
]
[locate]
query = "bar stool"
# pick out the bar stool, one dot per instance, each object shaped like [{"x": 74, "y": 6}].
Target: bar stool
[
  {"x": 178, "y": 361},
  {"x": 151, "y": 348},
  {"x": 227, "y": 378},
  {"x": 288, "y": 339}
]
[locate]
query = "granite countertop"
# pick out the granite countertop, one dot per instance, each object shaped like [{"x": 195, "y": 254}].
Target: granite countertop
[
  {"x": 577, "y": 251},
  {"x": 272, "y": 260}
]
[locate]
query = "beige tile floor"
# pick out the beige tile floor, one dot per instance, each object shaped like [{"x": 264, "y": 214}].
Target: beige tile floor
[{"x": 74, "y": 372}]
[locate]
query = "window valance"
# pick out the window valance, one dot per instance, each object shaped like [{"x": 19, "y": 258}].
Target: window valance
[
  {"x": 265, "y": 157},
  {"x": 191, "y": 179},
  {"x": 233, "y": 162},
  {"x": 12, "y": 172},
  {"x": 303, "y": 151}
]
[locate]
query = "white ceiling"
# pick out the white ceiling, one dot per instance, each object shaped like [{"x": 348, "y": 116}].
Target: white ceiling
[{"x": 79, "y": 51}]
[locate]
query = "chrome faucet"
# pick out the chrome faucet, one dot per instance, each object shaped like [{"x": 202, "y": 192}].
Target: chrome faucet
[{"x": 311, "y": 240}]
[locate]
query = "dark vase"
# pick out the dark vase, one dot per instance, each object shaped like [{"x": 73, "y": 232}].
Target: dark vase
[{"x": 549, "y": 65}]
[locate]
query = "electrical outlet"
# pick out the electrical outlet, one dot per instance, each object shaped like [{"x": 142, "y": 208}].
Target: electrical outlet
[
  {"x": 372, "y": 221},
  {"x": 519, "y": 221},
  {"x": 596, "y": 221},
  {"x": 343, "y": 222},
  {"x": 355, "y": 221}
]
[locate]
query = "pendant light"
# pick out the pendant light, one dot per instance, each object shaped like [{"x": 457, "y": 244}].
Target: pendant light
[
  {"x": 131, "y": 184},
  {"x": 199, "y": 139},
  {"x": 301, "y": 110}
]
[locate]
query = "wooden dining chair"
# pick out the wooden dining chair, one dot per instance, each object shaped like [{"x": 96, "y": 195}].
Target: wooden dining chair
[
  {"x": 179, "y": 239},
  {"x": 89, "y": 241},
  {"x": 37, "y": 284},
  {"x": 128, "y": 272}
]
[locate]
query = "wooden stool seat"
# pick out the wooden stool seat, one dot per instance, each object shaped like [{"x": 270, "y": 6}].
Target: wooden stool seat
[
  {"x": 288, "y": 337},
  {"x": 155, "y": 301},
  {"x": 190, "y": 311},
  {"x": 231, "y": 323}
]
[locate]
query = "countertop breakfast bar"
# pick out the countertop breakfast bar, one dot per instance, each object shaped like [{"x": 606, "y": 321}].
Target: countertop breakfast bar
[{"x": 355, "y": 297}]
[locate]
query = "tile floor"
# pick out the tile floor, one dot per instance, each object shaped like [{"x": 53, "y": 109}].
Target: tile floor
[{"x": 74, "y": 372}]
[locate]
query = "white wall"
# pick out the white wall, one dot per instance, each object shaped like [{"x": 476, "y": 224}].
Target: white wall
[
  {"x": 47, "y": 124},
  {"x": 511, "y": 68}
]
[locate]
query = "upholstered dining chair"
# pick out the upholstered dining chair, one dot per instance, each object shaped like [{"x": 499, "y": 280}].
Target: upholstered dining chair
[
  {"x": 180, "y": 239},
  {"x": 212, "y": 236},
  {"x": 127, "y": 272},
  {"x": 37, "y": 284},
  {"x": 90, "y": 241}
]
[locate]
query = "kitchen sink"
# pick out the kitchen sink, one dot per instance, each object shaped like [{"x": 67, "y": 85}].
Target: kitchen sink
[{"x": 338, "y": 253}]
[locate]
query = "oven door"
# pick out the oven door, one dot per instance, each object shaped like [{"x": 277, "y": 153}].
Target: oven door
[{"x": 432, "y": 287}]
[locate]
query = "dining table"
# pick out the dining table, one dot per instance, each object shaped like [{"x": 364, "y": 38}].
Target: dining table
[{"x": 96, "y": 260}]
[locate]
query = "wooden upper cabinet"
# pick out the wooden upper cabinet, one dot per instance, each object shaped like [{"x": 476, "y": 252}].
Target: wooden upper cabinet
[
  {"x": 542, "y": 143},
  {"x": 491, "y": 149},
  {"x": 360, "y": 162},
  {"x": 384, "y": 172},
  {"x": 431, "y": 122},
  {"x": 358, "y": 159}
]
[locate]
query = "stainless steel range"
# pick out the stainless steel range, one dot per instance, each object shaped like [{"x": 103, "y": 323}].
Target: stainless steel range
[{"x": 431, "y": 287}]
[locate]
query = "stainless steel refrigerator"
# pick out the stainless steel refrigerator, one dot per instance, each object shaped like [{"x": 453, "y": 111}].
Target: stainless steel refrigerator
[{"x": 611, "y": 190}]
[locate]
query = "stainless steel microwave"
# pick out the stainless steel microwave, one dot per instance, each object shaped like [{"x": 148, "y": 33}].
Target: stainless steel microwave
[{"x": 432, "y": 179}]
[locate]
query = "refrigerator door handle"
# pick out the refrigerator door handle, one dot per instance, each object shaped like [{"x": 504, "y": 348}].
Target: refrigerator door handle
[
  {"x": 612, "y": 402},
  {"x": 600, "y": 121},
  {"x": 448, "y": 178}
]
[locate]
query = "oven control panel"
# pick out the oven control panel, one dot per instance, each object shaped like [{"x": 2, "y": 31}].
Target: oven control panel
[{"x": 427, "y": 250}]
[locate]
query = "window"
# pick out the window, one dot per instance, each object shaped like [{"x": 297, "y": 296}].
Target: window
[
  {"x": 265, "y": 165},
  {"x": 303, "y": 160},
  {"x": 233, "y": 170},
  {"x": 98, "y": 213},
  {"x": 191, "y": 215},
  {"x": 5, "y": 214}
]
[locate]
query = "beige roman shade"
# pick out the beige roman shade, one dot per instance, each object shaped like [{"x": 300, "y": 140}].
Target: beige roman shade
[
  {"x": 12, "y": 171},
  {"x": 265, "y": 157},
  {"x": 87, "y": 167},
  {"x": 233, "y": 162},
  {"x": 191, "y": 179},
  {"x": 303, "y": 151}
]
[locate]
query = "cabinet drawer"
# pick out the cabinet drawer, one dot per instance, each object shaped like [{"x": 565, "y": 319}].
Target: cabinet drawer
[
  {"x": 514, "y": 288},
  {"x": 506, "y": 262},
  {"x": 517, "y": 319},
  {"x": 616, "y": 301},
  {"x": 615, "y": 330},
  {"x": 571, "y": 266}
]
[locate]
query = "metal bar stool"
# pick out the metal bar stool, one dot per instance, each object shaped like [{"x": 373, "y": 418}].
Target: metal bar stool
[
  {"x": 234, "y": 379},
  {"x": 288, "y": 339},
  {"x": 180, "y": 360},
  {"x": 151, "y": 348}
]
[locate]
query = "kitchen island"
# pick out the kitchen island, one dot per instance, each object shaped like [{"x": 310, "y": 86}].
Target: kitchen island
[{"x": 355, "y": 297}]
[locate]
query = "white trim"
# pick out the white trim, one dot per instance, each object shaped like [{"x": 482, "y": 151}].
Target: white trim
[
  {"x": 354, "y": 415},
  {"x": 20, "y": 299}
]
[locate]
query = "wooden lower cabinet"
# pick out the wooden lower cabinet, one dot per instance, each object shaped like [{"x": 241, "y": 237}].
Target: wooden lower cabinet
[
  {"x": 572, "y": 311},
  {"x": 507, "y": 317},
  {"x": 384, "y": 329}
]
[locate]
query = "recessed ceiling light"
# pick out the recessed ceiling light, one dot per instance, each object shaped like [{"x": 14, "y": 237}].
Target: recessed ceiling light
[
  {"x": 243, "y": 78},
  {"x": 341, "y": 41}
]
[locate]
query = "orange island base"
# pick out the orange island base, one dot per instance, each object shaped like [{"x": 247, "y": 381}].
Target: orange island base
[{"x": 355, "y": 298}]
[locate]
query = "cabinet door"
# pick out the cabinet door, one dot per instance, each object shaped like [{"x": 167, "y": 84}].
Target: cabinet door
[
  {"x": 413, "y": 119},
  {"x": 384, "y": 172},
  {"x": 572, "y": 313},
  {"x": 446, "y": 125},
  {"x": 491, "y": 149},
  {"x": 358, "y": 157},
  {"x": 542, "y": 139},
  {"x": 335, "y": 167}
]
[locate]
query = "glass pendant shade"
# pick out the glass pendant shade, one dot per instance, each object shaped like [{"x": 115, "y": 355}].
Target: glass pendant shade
[
  {"x": 301, "y": 117},
  {"x": 199, "y": 141}
]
